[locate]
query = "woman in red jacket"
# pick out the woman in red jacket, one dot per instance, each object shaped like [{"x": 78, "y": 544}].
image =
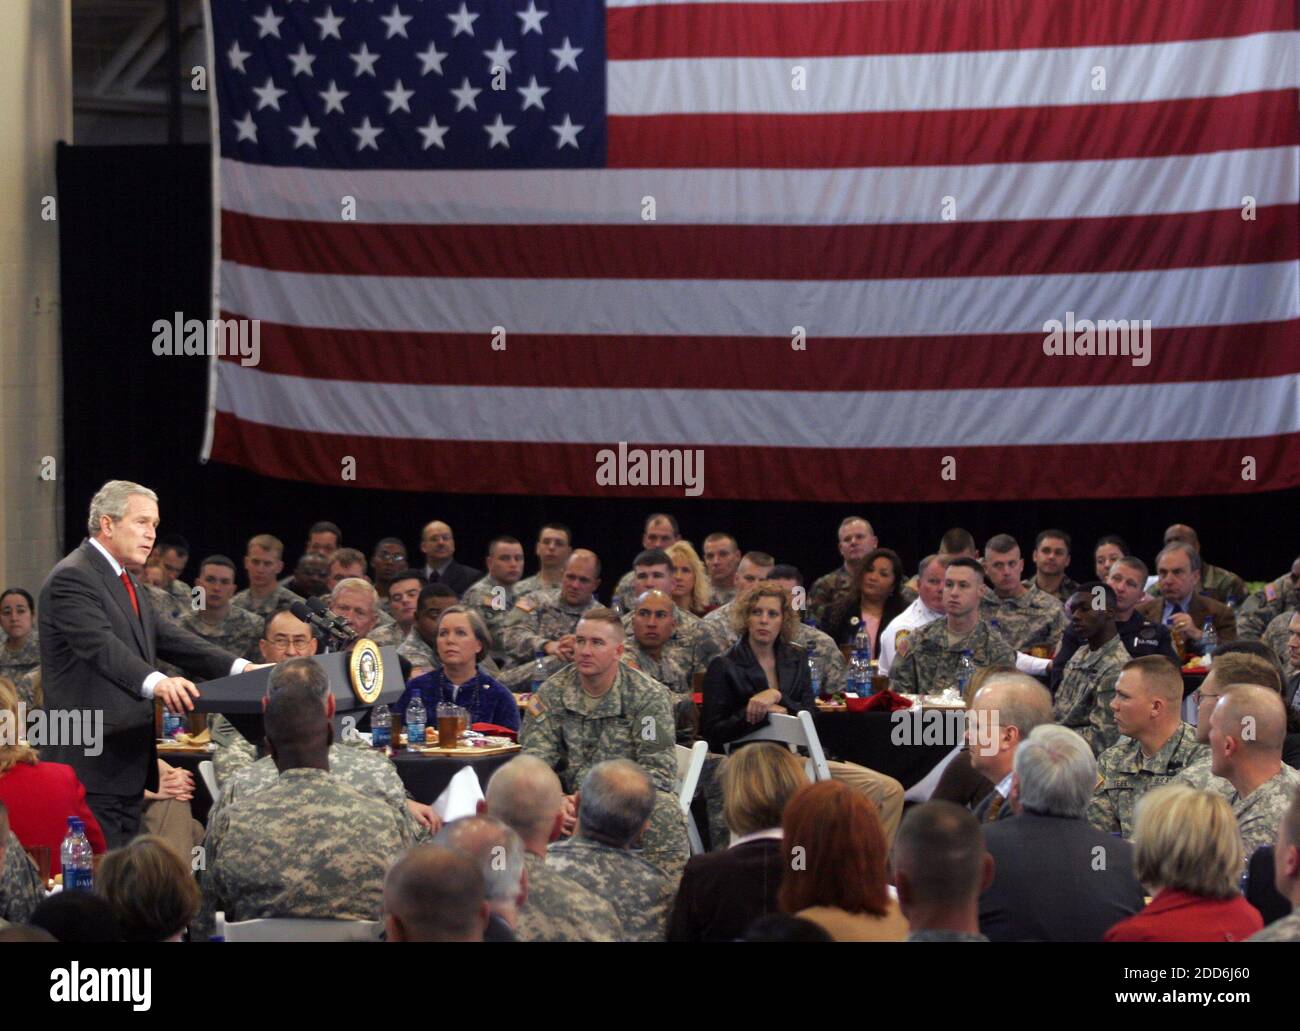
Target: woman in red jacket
[
  {"x": 1188, "y": 851},
  {"x": 40, "y": 796}
]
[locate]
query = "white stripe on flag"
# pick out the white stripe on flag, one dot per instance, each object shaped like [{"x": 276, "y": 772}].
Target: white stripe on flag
[
  {"x": 727, "y": 196},
  {"x": 904, "y": 418},
  {"x": 954, "y": 81},
  {"x": 859, "y": 308}
]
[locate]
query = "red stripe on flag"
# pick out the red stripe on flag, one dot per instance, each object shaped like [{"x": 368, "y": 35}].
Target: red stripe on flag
[
  {"x": 785, "y": 252},
  {"x": 804, "y": 474},
  {"x": 924, "y": 26},
  {"x": 892, "y": 139},
  {"x": 992, "y": 362}
]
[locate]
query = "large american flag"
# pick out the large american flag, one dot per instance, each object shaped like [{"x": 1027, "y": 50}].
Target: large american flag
[{"x": 820, "y": 241}]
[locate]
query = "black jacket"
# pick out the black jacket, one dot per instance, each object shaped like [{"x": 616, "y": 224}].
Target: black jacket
[
  {"x": 96, "y": 654},
  {"x": 722, "y": 893},
  {"x": 843, "y": 620},
  {"x": 735, "y": 677},
  {"x": 1056, "y": 879},
  {"x": 457, "y": 577}
]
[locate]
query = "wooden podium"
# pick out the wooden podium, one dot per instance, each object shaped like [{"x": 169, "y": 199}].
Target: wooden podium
[{"x": 239, "y": 698}]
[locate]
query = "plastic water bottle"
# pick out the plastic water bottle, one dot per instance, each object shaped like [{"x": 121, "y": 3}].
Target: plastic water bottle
[
  {"x": 616, "y": 605},
  {"x": 381, "y": 727},
  {"x": 815, "y": 675},
  {"x": 867, "y": 682},
  {"x": 965, "y": 670},
  {"x": 75, "y": 856},
  {"x": 539, "y": 671},
  {"x": 172, "y": 724},
  {"x": 1209, "y": 638},
  {"x": 862, "y": 644},
  {"x": 416, "y": 719}
]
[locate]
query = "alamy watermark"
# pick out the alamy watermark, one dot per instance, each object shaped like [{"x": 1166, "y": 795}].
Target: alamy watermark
[
  {"x": 40, "y": 728},
  {"x": 654, "y": 467},
  {"x": 946, "y": 727},
  {"x": 241, "y": 338},
  {"x": 1103, "y": 338}
]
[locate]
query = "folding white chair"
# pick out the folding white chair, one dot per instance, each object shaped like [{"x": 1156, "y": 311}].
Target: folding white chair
[
  {"x": 797, "y": 732},
  {"x": 290, "y": 929},
  {"x": 690, "y": 763},
  {"x": 208, "y": 773}
]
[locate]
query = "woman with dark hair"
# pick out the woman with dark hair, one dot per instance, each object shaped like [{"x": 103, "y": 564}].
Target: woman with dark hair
[
  {"x": 841, "y": 884},
  {"x": 763, "y": 672},
  {"x": 873, "y": 601},
  {"x": 152, "y": 892},
  {"x": 1106, "y": 552},
  {"x": 21, "y": 652}
]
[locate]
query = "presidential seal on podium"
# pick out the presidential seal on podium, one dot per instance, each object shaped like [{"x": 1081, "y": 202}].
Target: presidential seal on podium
[{"x": 366, "y": 670}]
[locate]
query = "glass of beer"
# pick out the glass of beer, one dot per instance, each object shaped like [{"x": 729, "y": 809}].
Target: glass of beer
[
  {"x": 463, "y": 714},
  {"x": 448, "y": 725}
]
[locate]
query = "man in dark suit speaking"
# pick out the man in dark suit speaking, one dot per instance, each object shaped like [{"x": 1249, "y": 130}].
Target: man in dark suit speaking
[{"x": 99, "y": 641}]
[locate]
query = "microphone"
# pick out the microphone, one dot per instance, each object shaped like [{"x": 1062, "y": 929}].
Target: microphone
[{"x": 327, "y": 623}]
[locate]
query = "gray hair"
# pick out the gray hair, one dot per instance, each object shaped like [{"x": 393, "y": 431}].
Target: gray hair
[
  {"x": 355, "y": 583},
  {"x": 111, "y": 500},
  {"x": 525, "y": 794},
  {"x": 617, "y": 798},
  {"x": 1193, "y": 557},
  {"x": 926, "y": 563},
  {"x": 476, "y": 624},
  {"x": 303, "y": 671},
  {"x": 1024, "y": 704},
  {"x": 497, "y": 849},
  {"x": 1057, "y": 772}
]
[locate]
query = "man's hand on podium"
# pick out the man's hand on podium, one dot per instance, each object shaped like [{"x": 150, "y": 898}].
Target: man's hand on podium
[{"x": 176, "y": 693}]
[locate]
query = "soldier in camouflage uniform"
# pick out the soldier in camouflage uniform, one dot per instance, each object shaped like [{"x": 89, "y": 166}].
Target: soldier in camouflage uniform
[
  {"x": 617, "y": 799},
  {"x": 358, "y": 602},
  {"x": 17, "y": 612},
  {"x": 307, "y": 846},
  {"x": 263, "y": 562},
  {"x": 1287, "y": 877},
  {"x": 232, "y": 629},
  {"x": 1276, "y": 634},
  {"x": 279, "y": 599},
  {"x": 494, "y": 596},
  {"x": 540, "y": 626},
  {"x": 1083, "y": 698},
  {"x": 599, "y": 708},
  {"x": 855, "y": 538},
  {"x": 553, "y": 548},
  {"x": 661, "y": 531},
  {"x": 1257, "y": 611},
  {"x": 526, "y": 794},
  {"x": 21, "y": 890},
  {"x": 18, "y": 663},
  {"x": 1026, "y": 616},
  {"x": 535, "y": 585}
]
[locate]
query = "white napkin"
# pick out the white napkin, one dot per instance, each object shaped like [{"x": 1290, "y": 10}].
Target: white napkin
[{"x": 461, "y": 797}]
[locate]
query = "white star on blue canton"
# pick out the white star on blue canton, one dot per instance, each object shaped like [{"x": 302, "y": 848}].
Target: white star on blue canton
[
  {"x": 268, "y": 24},
  {"x": 465, "y": 96},
  {"x": 532, "y": 94},
  {"x": 499, "y": 57},
  {"x": 432, "y": 59},
  {"x": 566, "y": 55},
  {"x": 367, "y": 134},
  {"x": 531, "y": 19},
  {"x": 333, "y": 98},
  {"x": 268, "y": 95},
  {"x": 399, "y": 96},
  {"x": 302, "y": 61},
  {"x": 433, "y": 134},
  {"x": 247, "y": 128},
  {"x": 304, "y": 135},
  {"x": 329, "y": 24},
  {"x": 567, "y": 133},
  {"x": 396, "y": 22},
  {"x": 365, "y": 61},
  {"x": 498, "y": 131},
  {"x": 238, "y": 57},
  {"x": 463, "y": 20}
]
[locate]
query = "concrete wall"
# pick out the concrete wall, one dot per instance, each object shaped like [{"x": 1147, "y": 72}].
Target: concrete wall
[{"x": 35, "y": 113}]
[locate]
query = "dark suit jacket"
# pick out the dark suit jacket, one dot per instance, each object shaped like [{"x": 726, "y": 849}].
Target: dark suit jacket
[
  {"x": 722, "y": 893},
  {"x": 982, "y": 807},
  {"x": 735, "y": 677},
  {"x": 1046, "y": 884},
  {"x": 455, "y": 576},
  {"x": 96, "y": 654},
  {"x": 1200, "y": 608}
]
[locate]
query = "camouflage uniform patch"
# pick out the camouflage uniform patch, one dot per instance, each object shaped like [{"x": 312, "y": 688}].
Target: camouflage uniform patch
[
  {"x": 1125, "y": 775},
  {"x": 279, "y": 599},
  {"x": 1082, "y": 700},
  {"x": 494, "y": 601},
  {"x": 1034, "y": 620},
  {"x": 238, "y": 633},
  {"x": 525, "y": 632},
  {"x": 930, "y": 665}
]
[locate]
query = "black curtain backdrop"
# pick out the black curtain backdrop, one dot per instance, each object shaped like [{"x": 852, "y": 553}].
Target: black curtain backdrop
[{"x": 135, "y": 239}]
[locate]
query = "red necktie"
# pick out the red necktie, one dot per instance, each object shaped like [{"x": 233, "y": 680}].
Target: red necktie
[{"x": 130, "y": 589}]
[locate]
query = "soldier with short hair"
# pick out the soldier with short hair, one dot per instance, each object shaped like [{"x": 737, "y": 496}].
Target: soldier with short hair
[
  {"x": 493, "y": 597},
  {"x": 1155, "y": 748},
  {"x": 1026, "y": 616},
  {"x": 1083, "y": 699},
  {"x": 599, "y": 708},
  {"x": 547, "y": 626},
  {"x": 553, "y": 548},
  {"x": 721, "y": 558},
  {"x": 1286, "y": 876},
  {"x": 660, "y": 532},
  {"x": 230, "y": 628},
  {"x": 263, "y": 561},
  {"x": 855, "y": 538}
]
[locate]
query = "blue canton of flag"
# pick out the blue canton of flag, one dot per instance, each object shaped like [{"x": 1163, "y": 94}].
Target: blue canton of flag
[{"x": 411, "y": 83}]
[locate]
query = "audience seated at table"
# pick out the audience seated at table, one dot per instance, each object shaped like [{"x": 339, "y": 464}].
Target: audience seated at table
[
  {"x": 835, "y": 852},
  {"x": 1055, "y": 877},
  {"x": 40, "y": 795},
  {"x": 1188, "y": 852},
  {"x": 722, "y": 893},
  {"x": 151, "y": 889}
]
